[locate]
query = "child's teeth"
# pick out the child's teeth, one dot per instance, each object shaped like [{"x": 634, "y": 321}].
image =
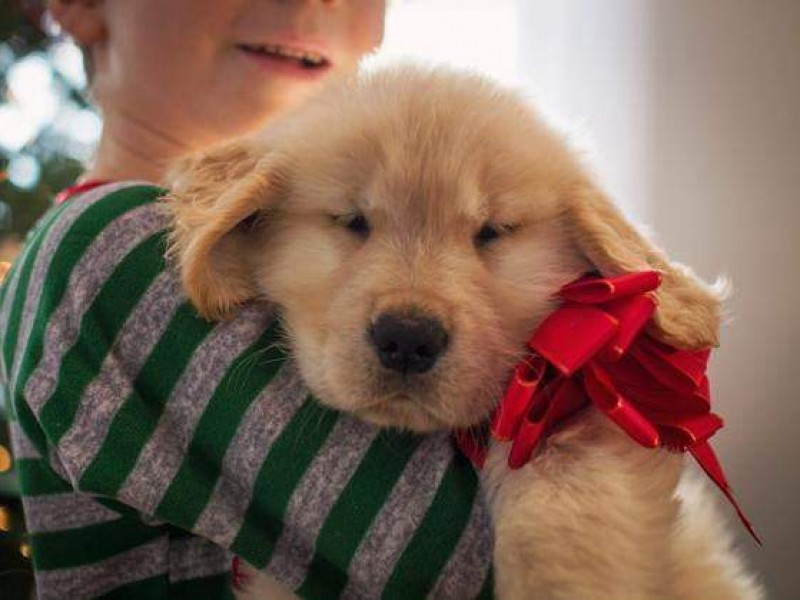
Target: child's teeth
[{"x": 311, "y": 57}]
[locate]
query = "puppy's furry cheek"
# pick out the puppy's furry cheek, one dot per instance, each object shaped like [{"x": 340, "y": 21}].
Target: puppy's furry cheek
[
  {"x": 528, "y": 271},
  {"x": 299, "y": 265},
  {"x": 301, "y": 270}
]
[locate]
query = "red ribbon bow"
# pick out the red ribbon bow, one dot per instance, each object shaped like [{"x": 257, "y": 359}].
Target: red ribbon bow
[{"x": 593, "y": 349}]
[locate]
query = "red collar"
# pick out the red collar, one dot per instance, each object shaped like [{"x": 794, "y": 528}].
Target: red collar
[{"x": 78, "y": 188}]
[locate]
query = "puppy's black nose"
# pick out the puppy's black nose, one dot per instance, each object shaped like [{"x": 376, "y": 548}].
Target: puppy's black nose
[{"x": 408, "y": 343}]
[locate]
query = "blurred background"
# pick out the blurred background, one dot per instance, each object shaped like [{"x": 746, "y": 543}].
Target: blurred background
[{"x": 689, "y": 111}]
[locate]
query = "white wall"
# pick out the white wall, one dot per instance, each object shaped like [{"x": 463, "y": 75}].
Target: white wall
[
  {"x": 473, "y": 34},
  {"x": 587, "y": 62},
  {"x": 694, "y": 106},
  {"x": 726, "y": 198}
]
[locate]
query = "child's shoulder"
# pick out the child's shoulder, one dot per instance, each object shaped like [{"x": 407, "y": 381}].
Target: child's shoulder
[
  {"x": 105, "y": 204},
  {"x": 115, "y": 229},
  {"x": 119, "y": 210}
]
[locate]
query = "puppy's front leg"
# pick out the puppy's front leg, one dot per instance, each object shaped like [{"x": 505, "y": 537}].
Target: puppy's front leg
[
  {"x": 252, "y": 584},
  {"x": 589, "y": 518}
]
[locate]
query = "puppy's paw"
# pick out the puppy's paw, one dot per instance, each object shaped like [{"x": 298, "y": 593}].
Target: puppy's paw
[{"x": 251, "y": 584}]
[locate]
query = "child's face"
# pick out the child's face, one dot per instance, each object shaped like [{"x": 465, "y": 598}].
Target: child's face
[{"x": 201, "y": 71}]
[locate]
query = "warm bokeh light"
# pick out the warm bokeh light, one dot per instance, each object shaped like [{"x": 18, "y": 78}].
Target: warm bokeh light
[{"x": 5, "y": 455}]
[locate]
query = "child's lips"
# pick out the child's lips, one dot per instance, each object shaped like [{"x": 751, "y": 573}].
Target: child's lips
[
  {"x": 308, "y": 55},
  {"x": 288, "y": 58}
]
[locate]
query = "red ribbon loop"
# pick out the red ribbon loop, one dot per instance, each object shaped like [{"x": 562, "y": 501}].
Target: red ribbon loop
[
  {"x": 594, "y": 349},
  {"x": 591, "y": 289}
]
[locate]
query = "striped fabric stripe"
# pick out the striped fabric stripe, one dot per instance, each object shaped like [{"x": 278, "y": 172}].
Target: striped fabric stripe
[
  {"x": 95, "y": 579},
  {"x": 37, "y": 478},
  {"x": 154, "y": 587},
  {"x": 453, "y": 581},
  {"x": 106, "y": 316},
  {"x": 32, "y": 259},
  {"x": 195, "y": 558},
  {"x": 71, "y": 236},
  {"x": 284, "y": 467},
  {"x": 17, "y": 282},
  {"x": 136, "y": 418},
  {"x": 103, "y": 397},
  {"x": 435, "y": 539},
  {"x": 214, "y": 586},
  {"x": 397, "y": 520},
  {"x": 15, "y": 278},
  {"x": 62, "y": 327},
  {"x": 57, "y": 512},
  {"x": 88, "y": 544},
  {"x": 74, "y": 225},
  {"x": 369, "y": 488},
  {"x": 22, "y": 446},
  {"x": 194, "y": 482},
  {"x": 189, "y": 399},
  {"x": 260, "y": 427},
  {"x": 315, "y": 495}
]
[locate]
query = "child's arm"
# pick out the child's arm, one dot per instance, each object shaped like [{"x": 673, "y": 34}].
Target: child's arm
[
  {"x": 86, "y": 546},
  {"x": 122, "y": 393}
]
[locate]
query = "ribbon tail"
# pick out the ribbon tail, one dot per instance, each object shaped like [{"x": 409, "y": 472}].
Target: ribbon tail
[{"x": 707, "y": 459}]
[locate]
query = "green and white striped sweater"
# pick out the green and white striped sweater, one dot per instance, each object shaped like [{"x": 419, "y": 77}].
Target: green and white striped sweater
[{"x": 141, "y": 432}]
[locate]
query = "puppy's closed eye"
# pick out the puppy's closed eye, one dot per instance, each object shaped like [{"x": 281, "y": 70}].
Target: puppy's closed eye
[
  {"x": 355, "y": 223},
  {"x": 250, "y": 222},
  {"x": 491, "y": 232}
]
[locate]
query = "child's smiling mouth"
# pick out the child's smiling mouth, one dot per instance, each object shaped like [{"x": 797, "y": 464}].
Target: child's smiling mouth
[{"x": 280, "y": 55}]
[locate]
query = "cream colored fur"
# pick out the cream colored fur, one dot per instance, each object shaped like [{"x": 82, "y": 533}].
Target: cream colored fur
[{"x": 429, "y": 157}]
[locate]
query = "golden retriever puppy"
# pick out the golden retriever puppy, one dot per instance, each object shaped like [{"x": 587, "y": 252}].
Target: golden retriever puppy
[{"x": 426, "y": 204}]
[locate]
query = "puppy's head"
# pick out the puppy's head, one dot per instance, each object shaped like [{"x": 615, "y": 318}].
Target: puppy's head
[{"x": 412, "y": 226}]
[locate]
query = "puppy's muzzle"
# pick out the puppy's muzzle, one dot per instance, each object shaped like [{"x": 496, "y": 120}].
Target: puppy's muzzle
[{"x": 408, "y": 343}]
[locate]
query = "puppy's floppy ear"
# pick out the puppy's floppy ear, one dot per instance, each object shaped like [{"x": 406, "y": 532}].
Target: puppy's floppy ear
[
  {"x": 213, "y": 198},
  {"x": 689, "y": 311}
]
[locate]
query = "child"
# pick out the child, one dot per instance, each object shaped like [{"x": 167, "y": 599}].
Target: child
[{"x": 151, "y": 443}]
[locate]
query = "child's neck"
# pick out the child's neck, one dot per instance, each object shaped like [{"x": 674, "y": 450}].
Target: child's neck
[{"x": 132, "y": 149}]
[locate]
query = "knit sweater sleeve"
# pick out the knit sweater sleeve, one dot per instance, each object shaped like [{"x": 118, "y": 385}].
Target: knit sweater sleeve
[{"x": 151, "y": 443}]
